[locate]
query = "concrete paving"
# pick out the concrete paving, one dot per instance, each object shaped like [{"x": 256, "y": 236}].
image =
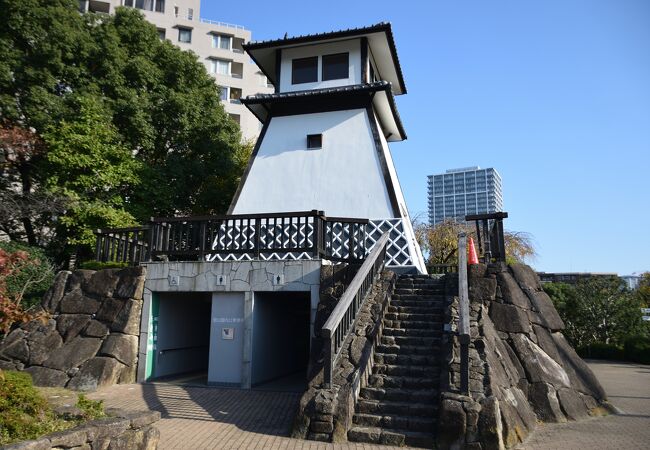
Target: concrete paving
[{"x": 212, "y": 418}]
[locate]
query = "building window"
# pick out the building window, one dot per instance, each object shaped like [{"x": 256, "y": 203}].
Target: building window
[
  {"x": 190, "y": 14},
  {"x": 175, "y": 11},
  {"x": 221, "y": 66},
  {"x": 160, "y": 6},
  {"x": 221, "y": 41},
  {"x": 223, "y": 93},
  {"x": 235, "y": 95},
  {"x": 236, "y": 118},
  {"x": 314, "y": 141},
  {"x": 336, "y": 67},
  {"x": 161, "y": 34},
  {"x": 304, "y": 70},
  {"x": 184, "y": 35}
]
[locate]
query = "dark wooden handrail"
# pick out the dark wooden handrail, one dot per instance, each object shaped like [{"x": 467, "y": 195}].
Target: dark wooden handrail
[
  {"x": 489, "y": 231},
  {"x": 342, "y": 320},
  {"x": 463, "y": 313}
]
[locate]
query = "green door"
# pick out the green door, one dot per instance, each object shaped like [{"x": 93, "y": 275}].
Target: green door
[{"x": 152, "y": 337}]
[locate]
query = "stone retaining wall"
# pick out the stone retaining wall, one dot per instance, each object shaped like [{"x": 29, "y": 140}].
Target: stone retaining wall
[
  {"x": 522, "y": 369},
  {"x": 91, "y": 338},
  {"x": 326, "y": 414},
  {"x": 123, "y": 431}
]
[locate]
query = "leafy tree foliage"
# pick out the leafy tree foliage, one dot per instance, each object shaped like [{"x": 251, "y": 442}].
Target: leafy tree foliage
[
  {"x": 103, "y": 124},
  {"x": 597, "y": 310}
]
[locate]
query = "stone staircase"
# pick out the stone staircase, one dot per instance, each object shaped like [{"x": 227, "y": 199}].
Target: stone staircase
[{"x": 399, "y": 405}]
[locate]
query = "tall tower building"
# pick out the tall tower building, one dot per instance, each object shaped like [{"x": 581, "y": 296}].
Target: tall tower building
[
  {"x": 219, "y": 46},
  {"x": 459, "y": 192}
]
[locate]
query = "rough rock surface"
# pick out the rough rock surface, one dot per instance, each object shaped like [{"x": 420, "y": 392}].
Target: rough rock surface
[
  {"x": 124, "y": 430},
  {"x": 521, "y": 369},
  {"x": 92, "y": 336}
]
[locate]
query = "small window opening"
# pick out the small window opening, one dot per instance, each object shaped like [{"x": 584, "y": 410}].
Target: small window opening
[
  {"x": 314, "y": 141},
  {"x": 304, "y": 70},
  {"x": 336, "y": 67}
]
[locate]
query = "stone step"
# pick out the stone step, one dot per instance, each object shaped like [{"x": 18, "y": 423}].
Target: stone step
[
  {"x": 410, "y": 340},
  {"x": 433, "y": 311},
  {"x": 404, "y": 370},
  {"x": 413, "y": 324},
  {"x": 397, "y": 381},
  {"x": 437, "y": 298},
  {"x": 426, "y": 332},
  {"x": 437, "y": 304},
  {"x": 394, "y": 422},
  {"x": 400, "y": 438},
  {"x": 386, "y": 407},
  {"x": 411, "y": 360},
  {"x": 417, "y": 317},
  {"x": 418, "y": 291},
  {"x": 409, "y": 349},
  {"x": 422, "y": 396}
]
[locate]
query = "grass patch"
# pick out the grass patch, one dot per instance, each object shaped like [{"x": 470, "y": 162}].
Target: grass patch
[{"x": 25, "y": 413}]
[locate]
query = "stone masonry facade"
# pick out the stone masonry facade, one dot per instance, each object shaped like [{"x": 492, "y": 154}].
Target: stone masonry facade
[
  {"x": 91, "y": 336},
  {"x": 521, "y": 371}
]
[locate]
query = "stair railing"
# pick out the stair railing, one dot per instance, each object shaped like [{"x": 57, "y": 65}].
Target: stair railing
[
  {"x": 463, "y": 313},
  {"x": 344, "y": 317}
]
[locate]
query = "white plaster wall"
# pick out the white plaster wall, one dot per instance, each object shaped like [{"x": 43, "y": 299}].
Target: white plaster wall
[
  {"x": 352, "y": 46},
  {"x": 343, "y": 178}
]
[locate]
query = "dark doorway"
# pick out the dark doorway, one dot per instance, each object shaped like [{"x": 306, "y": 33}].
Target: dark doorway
[
  {"x": 183, "y": 337},
  {"x": 280, "y": 340}
]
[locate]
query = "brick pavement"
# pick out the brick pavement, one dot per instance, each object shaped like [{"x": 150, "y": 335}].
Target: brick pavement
[{"x": 212, "y": 418}]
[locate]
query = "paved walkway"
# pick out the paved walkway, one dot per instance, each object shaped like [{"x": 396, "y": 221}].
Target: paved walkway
[
  {"x": 211, "y": 418},
  {"x": 628, "y": 388}
]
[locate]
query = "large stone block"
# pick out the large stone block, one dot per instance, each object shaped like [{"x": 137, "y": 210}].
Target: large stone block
[
  {"x": 70, "y": 325},
  {"x": 17, "y": 350},
  {"x": 511, "y": 292},
  {"x": 42, "y": 341},
  {"x": 543, "y": 398},
  {"x": 96, "y": 372},
  {"x": 102, "y": 283},
  {"x": 73, "y": 353},
  {"x": 109, "y": 309},
  {"x": 517, "y": 417},
  {"x": 546, "y": 342},
  {"x": 547, "y": 314},
  {"x": 572, "y": 404},
  {"x": 75, "y": 302},
  {"x": 128, "y": 319},
  {"x": 452, "y": 425},
  {"x": 54, "y": 295},
  {"x": 490, "y": 425},
  {"x": 122, "y": 347},
  {"x": 509, "y": 318},
  {"x": 42, "y": 376},
  {"x": 539, "y": 367},
  {"x": 130, "y": 283},
  {"x": 77, "y": 279},
  {"x": 96, "y": 329},
  {"x": 482, "y": 289},
  {"x": 526, "y": 277},
  {"x": 582, "y": 378}
]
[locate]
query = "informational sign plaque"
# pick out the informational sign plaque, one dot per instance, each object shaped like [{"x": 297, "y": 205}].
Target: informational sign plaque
[{"x": 228, "y": 334}]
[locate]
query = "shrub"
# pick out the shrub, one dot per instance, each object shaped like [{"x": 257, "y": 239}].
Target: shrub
[
  {"x": 24, "y": 413},
  {"x": 97, "y": 265},
  {"x": 91, "y": 409},
  {"x": 637, "y": 349},
  {"x": 599, "y": 350},
  {"x": 35, "y": 275}
]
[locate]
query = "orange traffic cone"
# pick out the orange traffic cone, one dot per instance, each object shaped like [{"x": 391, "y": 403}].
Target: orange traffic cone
[{"x": 473, "y": 257}]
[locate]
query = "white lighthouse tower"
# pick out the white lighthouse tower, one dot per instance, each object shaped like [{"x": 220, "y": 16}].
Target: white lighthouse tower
[{"x": 324, "y": 141}]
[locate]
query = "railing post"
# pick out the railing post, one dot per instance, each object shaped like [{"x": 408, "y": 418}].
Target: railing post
[
  {"x": 98, "y": 242},
  {"x": 152, "y": 239},
  {"x": 329, "y": 360},
  {"x": 258, "y": 237},
  {"x": 463, "y": 313}
]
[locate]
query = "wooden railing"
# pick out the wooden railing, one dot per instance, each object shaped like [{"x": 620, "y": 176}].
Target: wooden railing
[
  {"x": 491, "y": 240},
  {"x": 245, "y": 236},
  {"x": 463, "y": 313},
  {"x": 123, "y": 245},
  {"x": 344, "y": 316}
]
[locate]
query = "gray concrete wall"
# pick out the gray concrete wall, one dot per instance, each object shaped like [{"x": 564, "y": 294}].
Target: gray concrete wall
[{"x": 246, "y": 277}]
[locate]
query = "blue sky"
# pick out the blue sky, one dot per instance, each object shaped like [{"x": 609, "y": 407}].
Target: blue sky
[{"x": 553, "y": 94}]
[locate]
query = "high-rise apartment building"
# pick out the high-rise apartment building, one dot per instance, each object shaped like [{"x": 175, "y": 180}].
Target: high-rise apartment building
[
  {"x": 459, "y": 192},
  {"x": 218, "y": 45}
]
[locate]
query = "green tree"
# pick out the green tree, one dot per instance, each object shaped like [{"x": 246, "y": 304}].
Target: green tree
[
  {"x": 61, "y": 74},
  {"x": 597, "y": 310}
]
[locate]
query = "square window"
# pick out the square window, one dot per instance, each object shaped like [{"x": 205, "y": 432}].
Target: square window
[
  {"x": 304, "y": 70},
  {"x": 161, "y": 34},
  {"x": 336, "y": 67},
  {"x": 314, "y": 141},
  {"x": 223, "y": 93},
  {"x": 221, "y": 67},
  {"x": 184, "y": 35}
]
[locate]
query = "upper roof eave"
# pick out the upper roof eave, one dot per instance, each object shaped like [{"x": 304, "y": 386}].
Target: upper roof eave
[{"x": 254, "y": 47}]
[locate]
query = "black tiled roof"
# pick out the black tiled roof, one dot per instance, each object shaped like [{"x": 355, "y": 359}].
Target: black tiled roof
[{"x": 379, "y": 27}]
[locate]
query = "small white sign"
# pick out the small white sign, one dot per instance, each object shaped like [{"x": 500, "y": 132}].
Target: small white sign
[
  {"x": 645, "y": 310},
  {"x": 278, "y": 280},
  {"x": 174, "y": 280},
  {"x": 646, "y": 318},
  {"x": 221, "y": 280},
  {"x": 227, "y": 320},
  {"x": 228, "y": 334}
]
